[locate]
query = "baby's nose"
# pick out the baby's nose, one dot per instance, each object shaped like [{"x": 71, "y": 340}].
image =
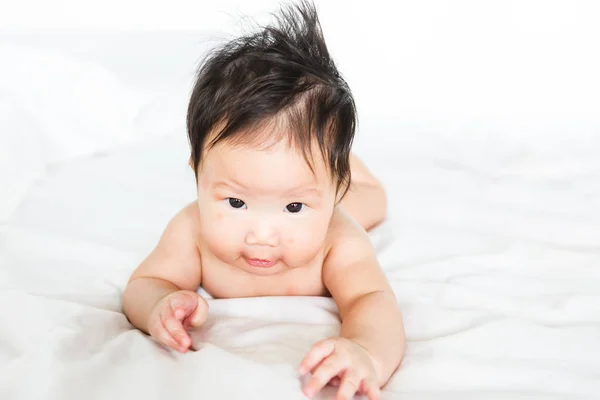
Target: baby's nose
[{"x": 263, "y": 234}]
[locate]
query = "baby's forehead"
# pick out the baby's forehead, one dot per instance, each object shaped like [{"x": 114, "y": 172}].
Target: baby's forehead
[
  {"x": 277, "y": 162},
  {"x": 275, "y": 150}
]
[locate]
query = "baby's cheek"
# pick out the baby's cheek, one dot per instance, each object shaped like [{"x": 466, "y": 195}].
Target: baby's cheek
[
  {"x": 215, "y": 226},
  {"x": 303, "y": 245},
  {"x": 223, "y": 239},
  {"x": 223, "y": 227}
]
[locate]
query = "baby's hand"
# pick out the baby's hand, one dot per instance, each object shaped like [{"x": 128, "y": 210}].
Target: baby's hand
[
  {"x": 175, "y": 313},
  {"x": 342, "y": 362}
]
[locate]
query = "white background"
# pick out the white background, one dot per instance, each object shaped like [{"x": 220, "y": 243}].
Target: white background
[
  {"x": 517, "y": 63},
  {"x": 480, "y": 118}
]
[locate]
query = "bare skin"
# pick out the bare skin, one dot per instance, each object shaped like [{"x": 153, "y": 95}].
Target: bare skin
[
  {"x": 366, "y": 201},
  {"x": 323, "y": 249}
]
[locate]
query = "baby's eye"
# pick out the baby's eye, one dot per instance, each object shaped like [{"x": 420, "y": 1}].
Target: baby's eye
[
  {"x": 294, "y": 207},
  {"x": 236, "y": 203}
]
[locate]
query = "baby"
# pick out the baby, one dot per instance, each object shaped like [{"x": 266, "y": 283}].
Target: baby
[{"x": 283, "y": 208}]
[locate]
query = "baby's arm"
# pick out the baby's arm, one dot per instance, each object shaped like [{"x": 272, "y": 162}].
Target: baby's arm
[
  {"x": 371, "y": 319},
  {"x": 366, "y": 200},
  {"x": 173, "y": 266}
]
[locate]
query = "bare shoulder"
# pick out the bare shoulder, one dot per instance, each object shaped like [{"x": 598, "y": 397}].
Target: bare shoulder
[
  {"x": 351, "y": 268},
  {"x": 176, "y": 257},
  {"x": 348, "y": 235},
  {"x": 189, "y": 216},
  {"x": 183, "y": 229}
]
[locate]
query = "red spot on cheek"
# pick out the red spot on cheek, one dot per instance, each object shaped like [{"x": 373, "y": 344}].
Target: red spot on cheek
[
  {"x": 290, "y": 291},
  {"x": 219, "y": 216}
]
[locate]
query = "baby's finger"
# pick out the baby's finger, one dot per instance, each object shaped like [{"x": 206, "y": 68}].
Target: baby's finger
[
  {"x": 349, "y": 385},
  {"x": 175, "y": 329},
  {"x": 331, "y": 367},
  {"x": 316, "y": 354},
  {"x": 164, "y": 337},
  {"x": 335, "y": 381},
  {"x": 200, "y": 313},
  {"x": 182, "y": 305},
  {"x": 370, "y": 388}
]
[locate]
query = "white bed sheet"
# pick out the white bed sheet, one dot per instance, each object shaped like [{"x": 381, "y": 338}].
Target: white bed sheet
[{"x": 492, "y": 247}]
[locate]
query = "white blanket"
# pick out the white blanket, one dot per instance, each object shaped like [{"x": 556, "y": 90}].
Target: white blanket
[{"x": 492, "y": 247}]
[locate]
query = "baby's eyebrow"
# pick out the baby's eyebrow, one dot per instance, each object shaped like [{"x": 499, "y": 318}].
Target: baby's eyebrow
[
  {"x": 300, "y": 191},
  {"x": 229, "y": 184},
  {"x": 304, "y": 191}
]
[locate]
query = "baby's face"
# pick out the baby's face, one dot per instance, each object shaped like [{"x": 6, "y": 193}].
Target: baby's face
[{"x": 263, "y": 210}]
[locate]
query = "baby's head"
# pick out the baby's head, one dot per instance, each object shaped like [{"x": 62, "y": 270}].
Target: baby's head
[{"x": 271, "y": 124}]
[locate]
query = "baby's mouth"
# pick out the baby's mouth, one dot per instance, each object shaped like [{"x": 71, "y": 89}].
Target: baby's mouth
[{"x": 260, "y": 263}]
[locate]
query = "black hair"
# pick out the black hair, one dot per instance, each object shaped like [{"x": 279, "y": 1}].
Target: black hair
[{"x": 279, "y": 77}]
